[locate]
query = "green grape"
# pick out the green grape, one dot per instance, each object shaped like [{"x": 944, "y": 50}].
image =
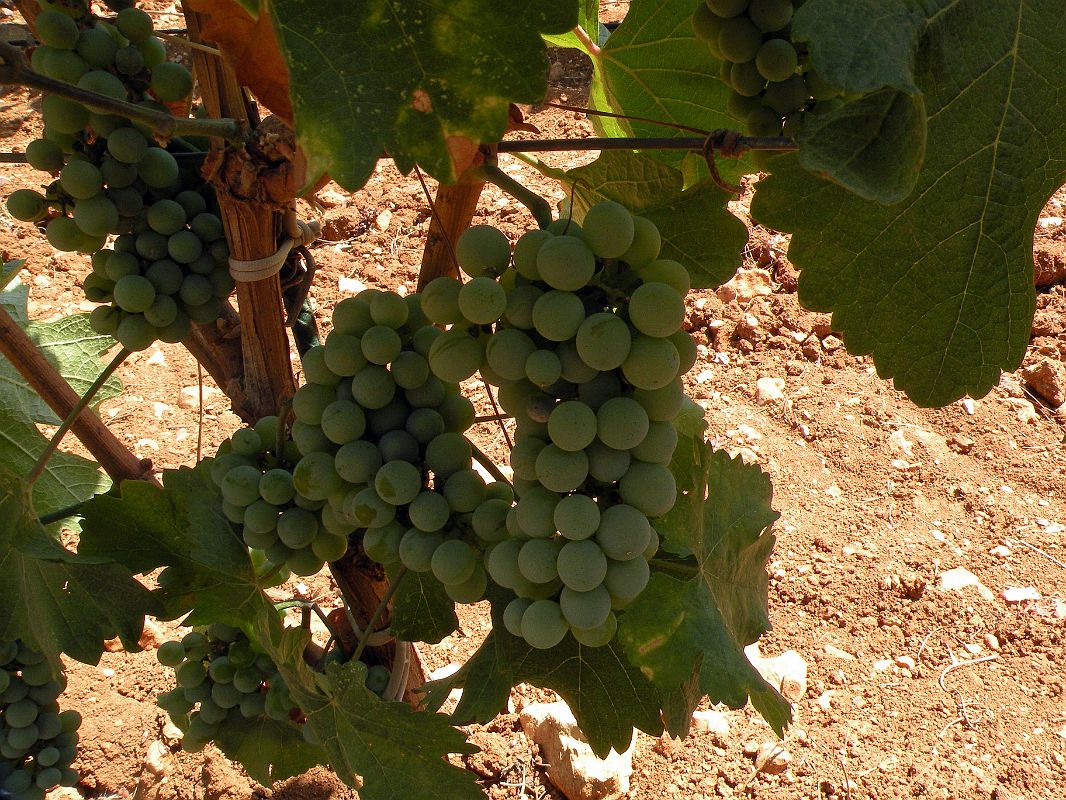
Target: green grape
[
  {"x": 453, "y": 562},
  {"x": 202, "y": 313},
  {"x": 377, "y": 678},
  {"x": 369, "y": 509},
  {"x": 56, "y": 29},
  {"x": 603, "y": 341},
  {"x": 649, "y": 487},
  {"x": 97, "y": 47},
  {"x": 572, "y": 425},
  {"x": 207, "y": 226},
  {"x": 652, "y": 363},
  {"x": 103, "y": 83},
  {"x": 17, "y": 782},
  {"x": 304, "y": 562},
  {"x": 190, "y": 674},
  {"x": 44, "y": 155},
  {"x": 646, "y": 243},
  {"x": 134, "y": 294},
  {"x": 739, "y": 39},
  {"x": 565, "y": 226},
  {"x": 626, "y": 579},
  {"x": 787, "y": 96},
  {"x": 310, "y": 402},
  {"x": 543, "y": 625},
  {"x": 770, "y": 15},
  {"x": 315, "y": 477},
  {"x": 524, "y": 457},
  {"x": 608, "y": 229},
  {"x": 165, "y": 276},
  {"x": 221, "y": 670},
  {"x": 409, "y": 369},
  {"x": 105, "y": 320},
  {"x": 512, "y": 615},
  {"x": 398, "y": 482},
  {"x": 65, "y": 141},
  {"x": 26, "y": 205},
  {"x": 482, "y": 300},
  {"x": 429, "y": 511},
  {"x": 598, "y": 636},
  {"x": 81, "y": 180},
  {"x": 727, "y": 8},
  {"x": 63, "y": 234},
  {"x": 329, "y": 546},
  {"x": 565, "y": 263},
  {"x": 424, "y": 424},
  {"x": 343, "y": 354},
  {"x": 417, "y": 549},
  {"x": 447, "y": 454},
  {"x": 153, "y": 51},
  {"x": 184, "y": 247},
  {"x": 97, "y": 216},
  {"x": 388, "y": 308},
  {"x": 525, "y": 252},
  {"x": 240, "y": 485},
  {"x": 129, "y": 61},
  {"x": 314, "y": 366},
  {"x": 383, "y": 544},
  {"x": 659, "y": 445},
  {"x": 489, "y": 519},
  {"x": 623, "y": 533},
  {"x": 561, "y": 470},
  {"x": 537, "y": 560},
  {"x": 129, "y": 146},
  {"x": 48, "y": 757},
  {"x": 542, "y": 367},
  {"x": 656, "y": 309},
  {"x": 482, "y": 249},
  {"x": 686, "y": 350},
  {"x": 261, "y": 519},
  {"x": 297, "y": 528},
  {"x": 776, "y": 60},
  {"x": 192, "y": 203},
  {"x": 440, "y": 301},
  {"x": 343, "y": 421},
  {"x": 195, "y": 290},
  {"x": 707, "y": 25},
  {"x": 745, "y": 78},
  {"x": 373, "y": 387},
  {"x": 62, "y": 115},
  {"x": 455, "y": 356},
  {"x": 535, "y": 512},
  {"x": 557, "y": 315},
  {"x": 577, "y": 517},
  {"x": 381, "y": 344},
  {"x": 457, "y": 413},
  {"x": 669, "y": 272},
  {"x": 520, "y": 303},
  {"x": 507, "y": 352},
  {"x": 157, "y": 168},
  {"x": 357, "y": 461},
  {"x": 21, "y": 714},
  {"x": 166, "y": 217},
  {"x": 171, "y": 82},
  {"x": 464, "y": 490},
  {"x": 127, "y": 201},
  {"x": 135, "y": 333},
  {"x": 582, "y": 565},
  {"x": 134, "y": 24},
  {"x": 621, "y": 423},
  {"x": 585, "y": 610}
]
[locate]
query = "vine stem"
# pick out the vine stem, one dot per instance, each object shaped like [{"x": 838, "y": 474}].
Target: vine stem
[
  {"x": 583, "y": 37},
  {"x": 80, "y": 406},
  {"x": 62, "y": 513},
  {"x": 13, "y": 70},
  {"x": 741, "y": 145},
  {"x": 488, "y": 464},
  {"x": 370, "y": 623},
  {"x": 537, "y": 205}
]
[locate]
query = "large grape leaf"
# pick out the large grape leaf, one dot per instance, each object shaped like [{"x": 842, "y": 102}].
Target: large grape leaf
[
  {"x": 696, "y": 227},
  {"x": 369, "y": 76},
  {"x": 588, "y": 18},
  {"x": 54, "y": 600},
  {"x": 270, "y": 750},
  {"x": 939, "y": 288},
  {"x": 422, "y": 610},
  {"x": 607, "y": 695},
  {"x": 698, "y": 624}
]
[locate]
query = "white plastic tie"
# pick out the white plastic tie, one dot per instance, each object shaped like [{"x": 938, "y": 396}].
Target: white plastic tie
[{"x": 300, "y": 234}]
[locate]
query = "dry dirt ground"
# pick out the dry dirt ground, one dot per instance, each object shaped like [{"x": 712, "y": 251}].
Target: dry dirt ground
[{"x": 912, "y": 690}]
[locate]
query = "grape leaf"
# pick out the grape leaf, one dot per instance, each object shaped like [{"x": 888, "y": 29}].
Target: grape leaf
[
  {"x": 682, "y": 625},
  {"x": 696, "y": 227},
  {"x": 409, "y": 78},
  {"x": 14, "y": 293},
  {"x": 422, "y": 610},
  {"x": 588, "y": 17},
  {"x": 607, "y": 695},
  {"x": 180, "y": 526},
  {"x": 54, "y": 600},
  {"x": 270, "y": 750},
  {"x": 939, "y": 288}
]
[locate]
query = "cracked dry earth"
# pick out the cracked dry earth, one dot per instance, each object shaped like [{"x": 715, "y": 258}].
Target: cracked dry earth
[{"x": 920, "y": 570}]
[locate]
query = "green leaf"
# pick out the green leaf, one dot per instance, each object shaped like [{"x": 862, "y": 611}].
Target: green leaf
[
  {"x": 369, "y": 76},
  {"x": 422, "y": 610},
  {"x": 181, "y": 527},
  {"x": 67, "y": 479},
  {"x": 54, "y": 600},
  {"x": 861, "y": 46},
  {"x": 14, "y": 293},
  {"x": 939, "y": 288},
  {"x": 607, "y": 695},
  {"x": 268, "y": 749},
  {"x": 696, "y": 227},
  {"x": 588, "y": 17},
  {"x": 698, "y": 621}
]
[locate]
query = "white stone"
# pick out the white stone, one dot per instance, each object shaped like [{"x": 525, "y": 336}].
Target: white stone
[
  {"x": 836, "y": 652},
  {"x": 172, "y": 734},
  {"x": 350, "y": 286},
  {"x": 190, "y": 396},
  {"x": 899, "y": 443},
  {"x": 1000, "y": 551},
  {"x": 772, "y": 758},
  {"x": 572, "y": 766},
  {"x": 711, "y": 721},
  {"x": 769, "y": 390},
  {"x": 786, "y": 672},
  {"x": 1023, "y": 409},
  {"x": 383, "y": 219},
  {"x": 157, "y": 758},
  {"x": 959, "y": 578},
  {"x": 1020, "y": 594},
  {"x": 968, "y": 405}
]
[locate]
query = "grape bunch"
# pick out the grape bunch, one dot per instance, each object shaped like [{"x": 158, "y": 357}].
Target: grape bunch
[
  {"x": 168, "y": 264},
  {"x": 38, "y": 743},
  {"x": 583, "y": 338},
  {"x": 220, "y": 676},
  {"x": 385, "y": 438},
  {"x": 773, "y": 85},
  {"x": 259, "y": 484}
]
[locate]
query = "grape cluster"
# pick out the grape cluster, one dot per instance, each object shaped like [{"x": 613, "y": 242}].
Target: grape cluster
[
  {"x": 220, "y": 676},
  {"x": 38, "y": 743},
  {"x": 168, "y": 265},
  {"x": 385, "y": 436},
  {"x": 773, "y": 86},
  {"x": 583, "y": 338}
]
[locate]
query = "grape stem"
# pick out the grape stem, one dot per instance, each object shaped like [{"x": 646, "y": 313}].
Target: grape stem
[
  {"x": 370, "y": 623},
  {"x": 13, "y": 70},
  {"x": 97, "y": 385},
  {"x": 62, "y": 513},
  {"x": 591, "y": 47},
  {"x": 488, "y": 464},
  {"x": 308, "y": 606},
  {"x": 537, "y": 205}
]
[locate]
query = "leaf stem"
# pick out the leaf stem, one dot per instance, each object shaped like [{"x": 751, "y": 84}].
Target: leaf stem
[
  {"x": 62, "y": 513},
  {"x": 677, "y": 567},
  {"x": 591, "y": 47},
  {"x": 80, "y": 406},
  {"x": 385, "y": 600},
  {"x": 13, "y": 70},
  {"x": 537, "y": 205}
]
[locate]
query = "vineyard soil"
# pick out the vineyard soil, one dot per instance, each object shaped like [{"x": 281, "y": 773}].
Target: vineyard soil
[{"x": 880, "y": 502}]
